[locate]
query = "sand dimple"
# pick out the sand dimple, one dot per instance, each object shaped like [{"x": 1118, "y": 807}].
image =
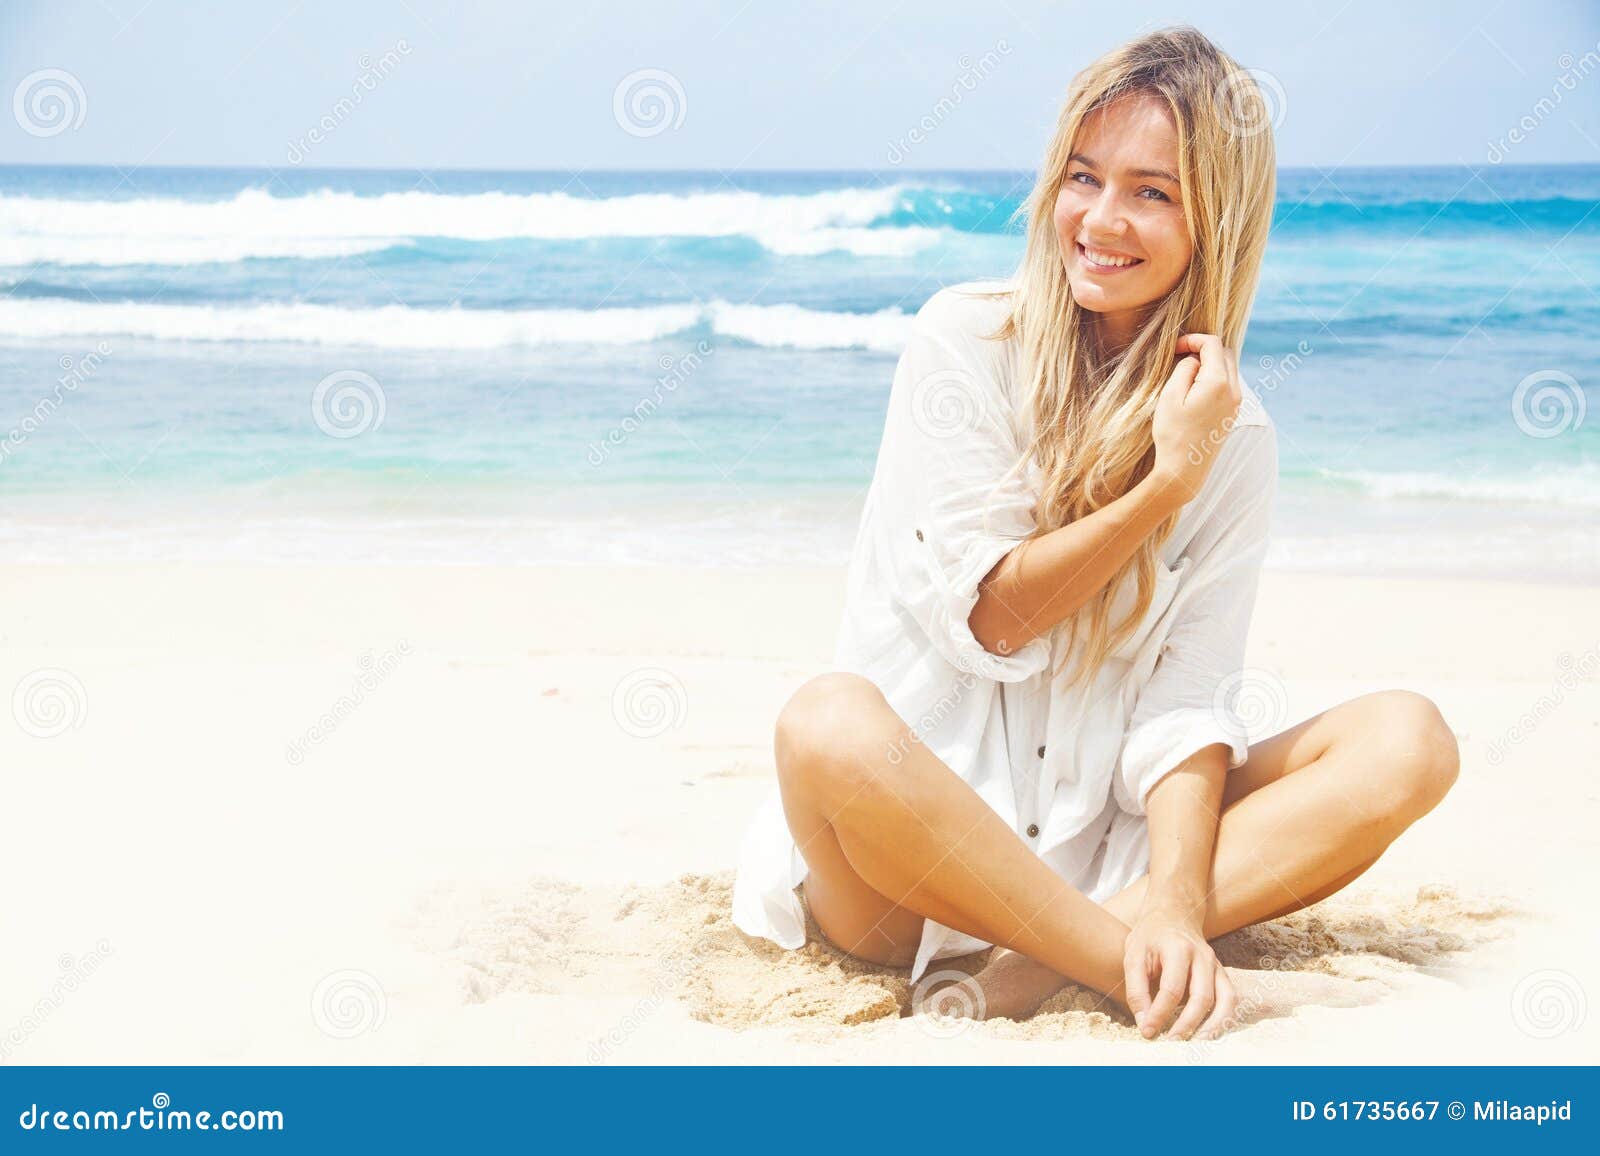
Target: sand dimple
[
  {"x": 532, "y": 939},
  {"x": 1420, "y": 931},
  {"x": 734, "y": 980},
  {"x": 678, "y": 941}
]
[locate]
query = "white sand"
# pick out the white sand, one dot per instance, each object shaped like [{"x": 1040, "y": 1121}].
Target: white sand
[{"x": 478, "y": 863}]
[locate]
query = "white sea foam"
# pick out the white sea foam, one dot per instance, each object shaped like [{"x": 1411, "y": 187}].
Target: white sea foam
[
  {"x": 791, "y": 326},
  {"x": 253, "y": 223},
  {"x": 402, "y": 327}
]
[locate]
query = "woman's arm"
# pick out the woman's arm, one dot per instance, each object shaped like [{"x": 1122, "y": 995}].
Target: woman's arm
[
  {"x": 1049, "y": 578},
  {"x": 1045, "y": 580},
  {"x": 1168, "y": 936},
  {"x": 1183, "y": 811},
  {"x": 1183, "y": 736}
]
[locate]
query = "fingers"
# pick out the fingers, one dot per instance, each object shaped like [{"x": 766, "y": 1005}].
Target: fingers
[
  {"x": 1180, "y": 381},
  {"x": 1209, "y": 348},
  {"x": 1222, "y": 1016},
  {"x": 1220, "y": 391},
  {"x": 1202, "y": 997},
  {"x": 1136, "y": 978},
  {"x": 1175, "y": 962},
  {"x": 1219, "y": 365}
]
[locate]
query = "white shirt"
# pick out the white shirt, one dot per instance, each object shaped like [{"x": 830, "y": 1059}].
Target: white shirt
[{"x": 1069, "y": 768}]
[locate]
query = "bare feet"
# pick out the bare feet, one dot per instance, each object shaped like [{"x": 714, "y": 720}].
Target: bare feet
[
  {"x": 1265, "y": 995},
  {"x": 1012, "y": 986}
]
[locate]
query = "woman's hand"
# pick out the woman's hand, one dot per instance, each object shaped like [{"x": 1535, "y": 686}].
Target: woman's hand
[
  {"x": 1195, "y": 412},
  {"x": 1167, "y": 963}
]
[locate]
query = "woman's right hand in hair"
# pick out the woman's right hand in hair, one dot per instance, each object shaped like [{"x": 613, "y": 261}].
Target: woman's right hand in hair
[{"x": 1195, "y": 412}]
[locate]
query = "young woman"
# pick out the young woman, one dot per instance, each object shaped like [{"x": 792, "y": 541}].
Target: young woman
[{"x": 1031, "y": 741}]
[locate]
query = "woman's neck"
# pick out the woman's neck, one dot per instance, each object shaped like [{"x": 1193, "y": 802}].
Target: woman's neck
[{"x": 1117, "y": 331}]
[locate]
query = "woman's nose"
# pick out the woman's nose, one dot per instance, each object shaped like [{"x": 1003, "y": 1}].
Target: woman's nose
[{"x": 1102, "y": 217}]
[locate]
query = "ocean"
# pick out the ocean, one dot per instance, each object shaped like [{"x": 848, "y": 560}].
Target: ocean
[{"x": 692, "y": 368}]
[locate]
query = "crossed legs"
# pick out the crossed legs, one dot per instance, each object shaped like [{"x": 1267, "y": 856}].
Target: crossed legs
[{"x": 890, "y": 841}]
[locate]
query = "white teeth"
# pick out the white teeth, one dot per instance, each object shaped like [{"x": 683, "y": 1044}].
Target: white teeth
[{"x": 1106, "y": 259}]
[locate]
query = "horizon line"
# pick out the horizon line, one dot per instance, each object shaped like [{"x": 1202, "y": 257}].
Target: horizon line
[{"x": 711, "y": 170}]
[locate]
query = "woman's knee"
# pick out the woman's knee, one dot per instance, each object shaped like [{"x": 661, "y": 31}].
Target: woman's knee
[
  {"x": 1419, "y": 754},
  {"x": 828, "y": 728}
]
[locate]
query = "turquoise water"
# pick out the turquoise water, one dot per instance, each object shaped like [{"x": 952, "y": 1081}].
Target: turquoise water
[{"x": 483, "y": 343}]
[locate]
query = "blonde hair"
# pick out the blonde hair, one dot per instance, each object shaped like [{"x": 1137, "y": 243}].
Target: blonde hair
[{"x": 1092, "y": 412}]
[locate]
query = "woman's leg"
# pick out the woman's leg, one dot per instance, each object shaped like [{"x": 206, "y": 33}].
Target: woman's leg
[
  {"x": 1310, "y": 810},
  {"x": 891, "y": 835}
]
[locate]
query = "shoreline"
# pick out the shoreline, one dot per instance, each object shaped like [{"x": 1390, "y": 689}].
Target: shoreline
[
  {"x": 1391, "y": 554},
  {"x": 674, "y": 571}
]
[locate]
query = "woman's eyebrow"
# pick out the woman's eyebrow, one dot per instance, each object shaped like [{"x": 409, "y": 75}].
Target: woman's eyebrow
[{"x": 1159, "y": 174}]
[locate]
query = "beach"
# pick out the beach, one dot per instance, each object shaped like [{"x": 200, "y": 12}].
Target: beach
[
  {"x": 403, "y": 813},
  {"x": 404, "y": 573}
]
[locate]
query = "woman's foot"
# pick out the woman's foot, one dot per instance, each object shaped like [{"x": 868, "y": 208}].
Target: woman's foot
[
  {"x": 1265, "y": 995},
  {"x": 1009, "y": 986},
  {"x": 1012, "y": 986}
]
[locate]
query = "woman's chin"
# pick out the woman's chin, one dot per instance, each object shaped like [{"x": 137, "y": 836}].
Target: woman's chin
[{"x": 1094, "y": 300}]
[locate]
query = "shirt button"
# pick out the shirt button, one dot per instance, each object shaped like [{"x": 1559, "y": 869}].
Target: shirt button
[
  {"x": 1041, "y": 750},
  {"x": 1033, "y": 830},
  {"x": 919, "y": 535}
]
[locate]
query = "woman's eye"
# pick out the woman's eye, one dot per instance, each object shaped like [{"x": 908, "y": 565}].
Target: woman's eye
[{"x": 1089, "y": 179}]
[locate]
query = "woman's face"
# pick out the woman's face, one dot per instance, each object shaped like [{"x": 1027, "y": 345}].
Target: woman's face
[{"x": 1119, "y": 216}]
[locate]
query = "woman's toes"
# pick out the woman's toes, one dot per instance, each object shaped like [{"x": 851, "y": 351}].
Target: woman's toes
[{"x": 1265, "y": 995}]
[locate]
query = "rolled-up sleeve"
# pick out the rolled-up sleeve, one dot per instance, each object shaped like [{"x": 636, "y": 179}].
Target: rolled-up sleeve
[
  {"x": 946, "y": 475},
  {"x": 1188, "y": 702}
]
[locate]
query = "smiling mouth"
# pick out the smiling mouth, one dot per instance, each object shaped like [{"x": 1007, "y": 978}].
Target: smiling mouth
[{"x": 1106, "y": 263}]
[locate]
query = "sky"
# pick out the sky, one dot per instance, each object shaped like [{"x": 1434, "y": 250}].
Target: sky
[{"x": 731, "y": 84}]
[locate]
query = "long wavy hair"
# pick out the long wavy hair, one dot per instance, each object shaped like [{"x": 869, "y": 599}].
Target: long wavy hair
[{"x": 1092, "y": 410}]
